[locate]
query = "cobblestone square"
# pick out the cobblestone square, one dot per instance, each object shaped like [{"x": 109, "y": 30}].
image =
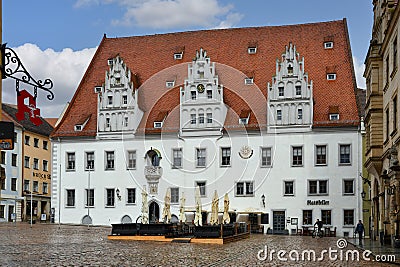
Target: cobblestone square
[{"x": 65, "y": 245}]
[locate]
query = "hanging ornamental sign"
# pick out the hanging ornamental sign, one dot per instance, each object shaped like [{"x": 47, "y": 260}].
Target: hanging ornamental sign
[
  {"x": 245, "y": 152},
  {"x": 12, "y": 67}
]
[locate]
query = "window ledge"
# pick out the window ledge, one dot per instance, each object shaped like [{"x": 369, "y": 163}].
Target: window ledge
[
  {"x": 70, "y": 170},
  {"x": 130, "y": 204}
]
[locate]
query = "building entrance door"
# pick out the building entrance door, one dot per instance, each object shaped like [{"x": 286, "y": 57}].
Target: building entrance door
[
  {"x": 154, "y": 212},
  {"x": 278, "y": 222},
  {"x": 10, "y": 212}
]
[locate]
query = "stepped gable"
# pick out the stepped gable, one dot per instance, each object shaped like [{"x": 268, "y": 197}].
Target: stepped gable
[{"x": 150, "y": 57}]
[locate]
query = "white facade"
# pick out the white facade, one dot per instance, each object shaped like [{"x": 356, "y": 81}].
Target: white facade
[{"x": 303, "y": 173}]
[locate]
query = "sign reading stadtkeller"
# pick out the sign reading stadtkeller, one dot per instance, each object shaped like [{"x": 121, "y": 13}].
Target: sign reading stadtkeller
[{"x": 317, "y": 202}]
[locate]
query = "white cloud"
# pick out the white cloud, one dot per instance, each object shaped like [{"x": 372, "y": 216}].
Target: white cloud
[
  {"x": 167, "y": 14},
  {"x": 359, "y": 68},
  {"x": 64, "y": 68}
]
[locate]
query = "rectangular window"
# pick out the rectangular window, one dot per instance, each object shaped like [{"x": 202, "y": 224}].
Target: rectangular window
[
  {"x": 3, "y": 157},
  {"x": 248, "y": 81},
  {"x": 289, "y": 188},
  {"x": 71, "y": 161},
  {"x": 266, "y": 156},
  {"x": 297, "y": 156},
  {"x": 395, "y": 54},
  {"x": 110, "y": 100},
  {"x": 177, "y": 158},
  {"x": 226, "y": 156},
  {"x": 192, "y": 118},
  {"x": 3, "y": 184},
  {"x": 35, "y": 163},
  {"x": 13, "y": 184},
  {"x": 251, "y": 50},
  {"x": 27, "y": 138},
  {"x": 298, "y": 90},
  {"x": 27, "y": 185},
  {"x": 307, "y": 217},
  {"x": 202, "y": 186},
  {"x": 209, "y": 117},
  {"x": 110, "y": 194},
  {"x": 326, "y": 217},
  {"x": 124, "y": 100},
  {"x": 320, "y": 155},
  {"x": 45, "y": 188},
  {"x": 89, "y": 161},
  {"x": 348, "y": 187},
  {"x": 2, "y": 211},
  {"x": 26, "y": 162},
  {"x": 70, "y": 197},
  {"x": 201, "y": 118},
  {"x": 281, "y": 91},
  {"x": 131, "y": 196},
  {"x": 178, "y": 55},
  {"x": 108, "y": 123},
  {"x": 89, "y": 197},
  {"x": 344, "y": 157},
  {"x": 200, "y": 157},
  {"x": 45, "y": 165},
  {"x": 45, "y": 145},
  {"x": 174, "y": 194},
  {"x": 387, "y": 71},
  {"x": 244, "y": 188},
  {"x": 126, "y": 121},
  {"x": 193, "y": 95},
  {"x": 110, "y": 160},
  {"x": 348, "y": 216},
  {"x": 395, "y": 113},
  {"x": 328, "y": 45},
  {"x": 15, "y": 137},
  {"x": 131, "y": 159},
  {"x": 317, "y": 187},
  {"x": 279, "y": 115},
  {"x": 35, "y": 142},
  {"x": 334, "y": 117},
  {"x": 14, "y": 160},
  {"x": 35, "y": 186},
  {"x": 299, "y": 114}
]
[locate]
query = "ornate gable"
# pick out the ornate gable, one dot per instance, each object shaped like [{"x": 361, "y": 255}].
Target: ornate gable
[
  {"x": 202, "y": 109},
  {"x": 290, "y": 105},
  {"x": 118, "y": 109}
]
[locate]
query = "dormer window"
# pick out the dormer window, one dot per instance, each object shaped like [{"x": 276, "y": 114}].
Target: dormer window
[
  {"x": 328, "y": 45},
  {"x": 248, "y": 81},
  {"x": 178, "y": 56},
  {"x": 117, "y": 80},
  {"x": 109, "y": 62},
  {"x": 243, "y": 120},
  {"x": 331, "y": 76},
  {"x": 170, "y": 84},
  {"x": 158, "y": 124},
  {"x": 334, "y": 117},
  {"x": 252, "y": 50},
  {"x": 78, "y": 128}
]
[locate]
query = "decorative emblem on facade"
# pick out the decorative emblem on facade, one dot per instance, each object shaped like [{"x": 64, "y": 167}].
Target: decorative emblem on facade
[{"x": 245, "y": 152}]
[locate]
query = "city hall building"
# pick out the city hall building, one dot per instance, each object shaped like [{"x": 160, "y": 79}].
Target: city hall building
[{"x": 267, "y": 115}]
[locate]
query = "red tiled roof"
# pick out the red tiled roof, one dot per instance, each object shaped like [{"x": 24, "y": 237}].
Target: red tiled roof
[{"x": 151, "y": 59}]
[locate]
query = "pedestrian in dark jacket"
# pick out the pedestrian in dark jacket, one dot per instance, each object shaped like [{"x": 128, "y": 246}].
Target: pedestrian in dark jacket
[{"x": 360, "y": 230}]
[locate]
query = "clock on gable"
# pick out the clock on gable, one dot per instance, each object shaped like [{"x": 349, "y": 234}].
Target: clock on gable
[{"x": 200, "y": 88}]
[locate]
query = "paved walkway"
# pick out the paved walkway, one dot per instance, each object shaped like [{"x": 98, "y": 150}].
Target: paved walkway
[
  {"x": 377, "y": 248},
  {"x": 51, "y": 245}
]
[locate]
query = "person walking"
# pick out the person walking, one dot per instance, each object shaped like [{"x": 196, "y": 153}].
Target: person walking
[
  {"x": 319, "y": 224},
  {"x": 360, "y": 230}
]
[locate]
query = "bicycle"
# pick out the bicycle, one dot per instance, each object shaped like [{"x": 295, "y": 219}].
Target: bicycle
[{"x": 317, "y": 233}]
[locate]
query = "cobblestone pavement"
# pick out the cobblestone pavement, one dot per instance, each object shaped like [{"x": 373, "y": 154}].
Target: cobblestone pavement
[{"x": 53, "y": 245}]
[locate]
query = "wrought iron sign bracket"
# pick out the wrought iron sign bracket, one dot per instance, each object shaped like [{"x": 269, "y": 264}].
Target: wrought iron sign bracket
[{"x": 13, "y": 68}]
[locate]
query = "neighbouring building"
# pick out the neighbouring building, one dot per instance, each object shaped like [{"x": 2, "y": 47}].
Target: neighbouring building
[
  {"x": 267, "y": 115},
  {"x": 382, "y": 121},
  {"x": 11, "y": 176},
  {"x": 33, "y": 170}
]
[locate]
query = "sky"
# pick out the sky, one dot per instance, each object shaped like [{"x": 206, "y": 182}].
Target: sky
[{"x": 57, "y": 39}]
